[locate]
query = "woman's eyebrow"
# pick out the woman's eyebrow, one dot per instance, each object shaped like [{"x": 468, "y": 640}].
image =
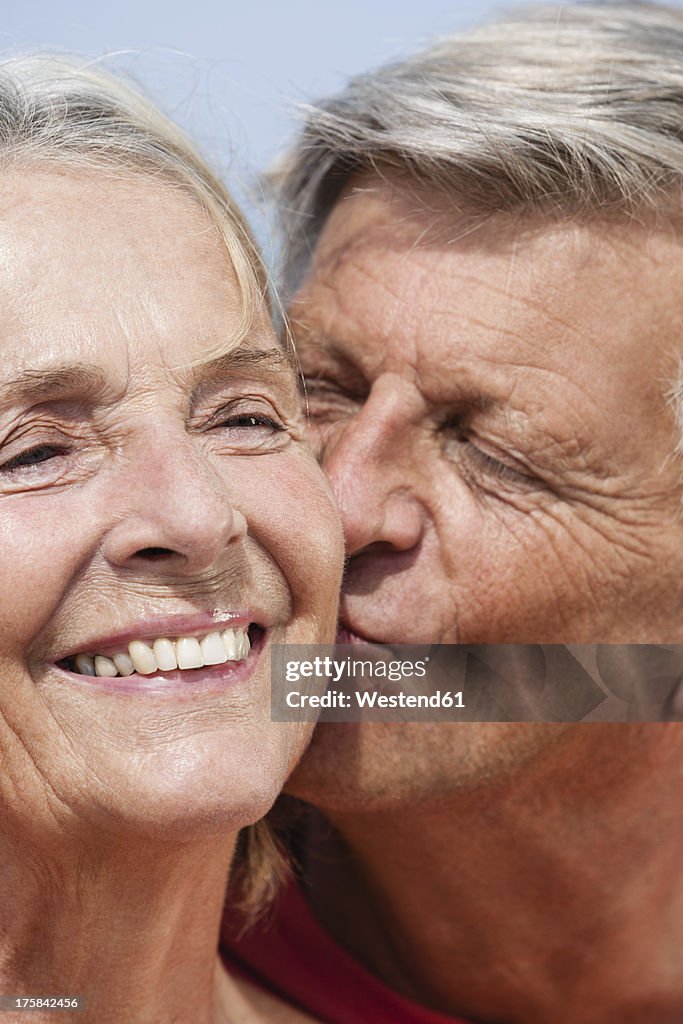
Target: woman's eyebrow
[
  {"x": 263, "y": 362},
  {"x": 76, "y": 379}
]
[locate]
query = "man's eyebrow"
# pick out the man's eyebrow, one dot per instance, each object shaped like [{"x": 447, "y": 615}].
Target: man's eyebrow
[
  {"x": 336, "y": 350},
  {"x": 320, "y": 340},
  {"x": 36, "y": 385},
  {"x": 350, "y": 374}
]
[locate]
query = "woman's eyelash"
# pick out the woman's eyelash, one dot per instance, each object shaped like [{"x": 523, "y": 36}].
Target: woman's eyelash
[
  {"x": 250, "y": 420},
  {"x": 34, "y": 456}
]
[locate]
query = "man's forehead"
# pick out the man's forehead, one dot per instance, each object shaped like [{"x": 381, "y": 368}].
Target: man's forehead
[
  {"x": 528, "y": 271},
  {"x": 575, "y": 314},
  {"x": 447, "y": 300},
  {"x": 392, "y": 210},
  {"x": 395, "y": 213}
]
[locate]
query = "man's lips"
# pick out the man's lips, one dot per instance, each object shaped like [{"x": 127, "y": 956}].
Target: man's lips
[
  {"x": 348, "y": 632},
  {"x": 348, "y": 636}
]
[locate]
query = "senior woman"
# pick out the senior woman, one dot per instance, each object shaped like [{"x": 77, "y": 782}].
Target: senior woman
[{"x": 162, "y": 523}]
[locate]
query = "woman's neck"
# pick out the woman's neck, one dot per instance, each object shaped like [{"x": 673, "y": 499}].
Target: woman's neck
[{"x": 131, "y": 927}]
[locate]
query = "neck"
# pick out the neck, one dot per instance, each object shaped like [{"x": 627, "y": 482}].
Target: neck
[
  {"x": 512, "y": 908},
  {"x": 130, "y": 926}
]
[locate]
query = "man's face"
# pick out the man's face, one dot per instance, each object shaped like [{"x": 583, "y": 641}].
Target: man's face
[{"x": 490, "y": 407}]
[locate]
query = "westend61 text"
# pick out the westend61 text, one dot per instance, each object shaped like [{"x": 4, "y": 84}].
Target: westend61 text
[{"x": 375, "y": 699}]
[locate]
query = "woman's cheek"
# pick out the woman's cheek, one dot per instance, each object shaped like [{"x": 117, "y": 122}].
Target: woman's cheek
[
  {"x": 294, "y": 518},
  {"x": 43, "y": 545},
  {"x": 33, "y": 540}
]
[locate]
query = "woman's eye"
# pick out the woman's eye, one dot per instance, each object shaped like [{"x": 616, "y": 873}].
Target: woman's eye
[
  {"x": 33, "y": 457},
  {"x": 251, "y": 421},
  {"x": 247, "y": 430}
]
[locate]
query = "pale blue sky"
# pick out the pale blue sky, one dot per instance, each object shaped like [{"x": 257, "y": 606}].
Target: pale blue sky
[
  {"x": 230, "y": 72},
  {"x": 230, "y": 67}
]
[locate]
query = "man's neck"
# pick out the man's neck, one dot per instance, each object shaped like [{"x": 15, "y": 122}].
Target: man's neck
[{"x": 543, "y": 899}]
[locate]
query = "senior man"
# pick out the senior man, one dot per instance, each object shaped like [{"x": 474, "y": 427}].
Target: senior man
[{"x": 487, "y": 276}]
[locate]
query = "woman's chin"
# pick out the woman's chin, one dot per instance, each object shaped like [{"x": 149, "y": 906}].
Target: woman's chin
[
  {"x": 176, "y": 808},
  {"x": 182, "y": 785}
]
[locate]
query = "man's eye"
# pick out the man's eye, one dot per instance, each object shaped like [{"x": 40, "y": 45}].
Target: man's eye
[
  {"x": 478, "y": 460},
  {"x": 33, "y": 457},
  {"x": 493, "y": 466}
]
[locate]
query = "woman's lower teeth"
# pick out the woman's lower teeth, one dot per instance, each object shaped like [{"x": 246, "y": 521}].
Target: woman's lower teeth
[{"x": 164, "y": 655}]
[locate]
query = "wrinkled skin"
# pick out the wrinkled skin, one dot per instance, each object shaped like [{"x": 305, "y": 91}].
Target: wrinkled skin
[{"x": 490, "y": 407}]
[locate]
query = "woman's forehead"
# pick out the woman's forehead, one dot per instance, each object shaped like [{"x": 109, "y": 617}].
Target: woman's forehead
[{"x": 92, "y": 267}]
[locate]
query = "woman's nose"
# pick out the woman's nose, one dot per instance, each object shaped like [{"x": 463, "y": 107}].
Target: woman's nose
[{"x": 173, "y": 511}]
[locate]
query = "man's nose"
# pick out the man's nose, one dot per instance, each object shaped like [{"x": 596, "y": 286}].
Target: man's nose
[
  {"x": 375, "y": 478},
  {"x": 173, "y": 510}
]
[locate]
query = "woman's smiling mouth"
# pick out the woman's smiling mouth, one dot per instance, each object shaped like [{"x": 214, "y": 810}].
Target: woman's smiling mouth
[
  {"x": 168, "y": 657},
  {"x": 164, "y": 654}
]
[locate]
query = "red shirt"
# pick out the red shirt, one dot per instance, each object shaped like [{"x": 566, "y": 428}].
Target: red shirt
[{"x": 293, "y": 957}]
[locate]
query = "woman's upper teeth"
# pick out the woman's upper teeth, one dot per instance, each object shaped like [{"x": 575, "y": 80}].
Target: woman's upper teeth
[{"x": 147, "y": 656}]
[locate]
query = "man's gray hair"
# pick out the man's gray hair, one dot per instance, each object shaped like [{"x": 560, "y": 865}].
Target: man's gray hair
[
  {"x": 58, "y": 110},
  {"x": 569, "y": 109}
]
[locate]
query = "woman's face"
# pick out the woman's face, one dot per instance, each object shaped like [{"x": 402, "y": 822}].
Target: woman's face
[{"x": 148, "y": 492}]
